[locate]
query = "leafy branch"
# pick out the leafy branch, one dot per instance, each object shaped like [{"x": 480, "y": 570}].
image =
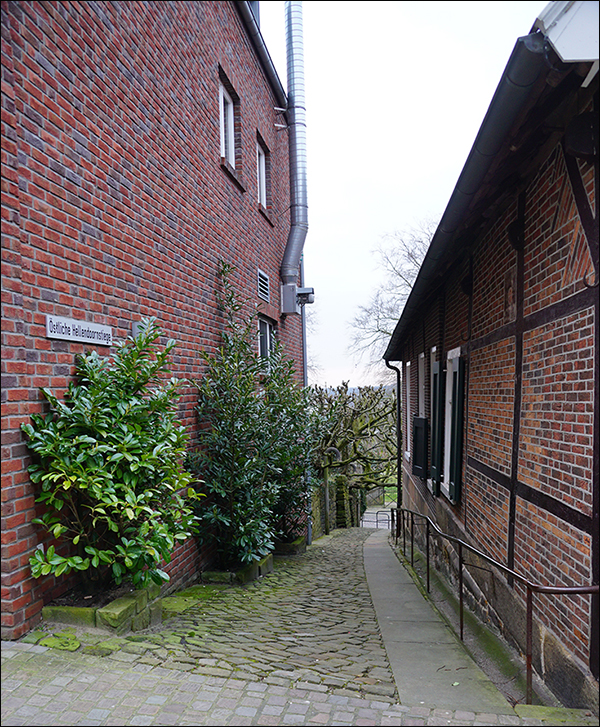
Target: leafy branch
[{"x": 108, "y": 460}]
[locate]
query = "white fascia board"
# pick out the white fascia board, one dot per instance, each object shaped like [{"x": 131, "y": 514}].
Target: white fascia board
[{"x": 572, "y": 29}]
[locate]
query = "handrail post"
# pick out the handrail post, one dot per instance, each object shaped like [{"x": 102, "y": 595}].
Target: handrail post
[
  {"x": 427, "y": 547},
  {"x": 529, "y": 640},
  {"x": 412, "y": 538},
  {"x": 404, "y": 533},
  {"x": 460, "y": 587}
]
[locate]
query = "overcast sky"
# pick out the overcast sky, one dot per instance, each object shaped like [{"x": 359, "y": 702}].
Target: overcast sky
[{"x": 395, "y": 95}]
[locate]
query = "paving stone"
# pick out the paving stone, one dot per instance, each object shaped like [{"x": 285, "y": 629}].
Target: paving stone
[{"x": 299, "y": 646}]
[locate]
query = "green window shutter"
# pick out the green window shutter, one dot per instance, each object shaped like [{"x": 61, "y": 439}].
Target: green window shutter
[
  {"x": 437, "y": 425},
  {"x": 456, "y": 442},
  {"x": 420, "y": 447}
]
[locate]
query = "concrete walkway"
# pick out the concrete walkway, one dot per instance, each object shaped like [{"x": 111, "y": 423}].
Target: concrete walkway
[
  {"x": 441, "y": 674},
  {"x": 337, "y": 636}
]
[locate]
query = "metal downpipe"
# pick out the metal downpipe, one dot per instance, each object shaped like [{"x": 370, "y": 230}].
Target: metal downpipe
[{"x": 297, "y": 143}]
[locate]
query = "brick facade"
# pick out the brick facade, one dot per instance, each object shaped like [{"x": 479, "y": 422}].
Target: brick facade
[
  {"x": 556, "y": 447},
  {"x": 116, "y": 205},
  {"x": 514, "y": 292},
  {"x": 492, "y": 388}
]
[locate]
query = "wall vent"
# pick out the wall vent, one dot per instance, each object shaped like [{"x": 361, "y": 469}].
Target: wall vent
[{"x": 264, "y": 289}]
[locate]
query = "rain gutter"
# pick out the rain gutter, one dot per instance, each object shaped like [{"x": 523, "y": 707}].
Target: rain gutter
[
  {"x": 517, "y": 83},
  {"x": 266, "y": 62}
]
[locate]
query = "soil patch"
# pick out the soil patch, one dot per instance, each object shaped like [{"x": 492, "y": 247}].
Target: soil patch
[{"x": 77, "y": 597}]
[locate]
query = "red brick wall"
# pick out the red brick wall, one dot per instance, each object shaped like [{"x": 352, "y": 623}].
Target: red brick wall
[
  {"x": 552, "y": 552},
  {"x": 492, "y": 389},
  {"x": 557, "y": 255},
  {"x": 456, "y": 320},
  {"x": 492, "y": 262},
  {"x": 115, "y": 206},
  {"x": 491, "y": 531},
  {"x": 556, "y": 445}
]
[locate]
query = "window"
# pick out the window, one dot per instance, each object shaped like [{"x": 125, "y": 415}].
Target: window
[
  {"x": 421, "y": 384},
  {"x": 420, "y": 447},
  {"x": 227, "y": 126},
  {"x": 261, "y": 175},
  {"x": 453, "y": 425},
  {"x": 432, "y": 360},
  {"x": 438, "y": 388},
  {"x": 408, "y": 412},
  {"x": 266, "y": 338},
  {"x": 420, "y": 426}
]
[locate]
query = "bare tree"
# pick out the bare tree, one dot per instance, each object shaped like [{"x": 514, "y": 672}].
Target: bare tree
[
  {"x": 400, "y": 256},
  {"x": 360, "y": 425}
]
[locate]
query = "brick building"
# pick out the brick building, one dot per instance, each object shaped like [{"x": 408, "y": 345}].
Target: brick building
[
  {"x": 498, "y": 352},
  {"x": 142, "y": 143}
]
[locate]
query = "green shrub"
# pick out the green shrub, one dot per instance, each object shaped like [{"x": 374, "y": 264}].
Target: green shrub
[
  {"x": 292, "y": 433},
  {"x": 253, "y": 444},
  {"x": 109, "y": 463}
]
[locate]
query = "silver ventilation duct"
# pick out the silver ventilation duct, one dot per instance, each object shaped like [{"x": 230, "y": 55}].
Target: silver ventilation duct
[{"x": 290, "y": 266}]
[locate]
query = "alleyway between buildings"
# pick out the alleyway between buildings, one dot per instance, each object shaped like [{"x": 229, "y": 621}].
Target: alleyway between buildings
[{"x": 317, "y": 642}]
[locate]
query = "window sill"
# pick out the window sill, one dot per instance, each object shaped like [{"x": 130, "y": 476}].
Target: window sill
[
  {"x": 267, "y": 310},
  {"x": 266, "y": 214},
  {"x": 232, "y": 174}
]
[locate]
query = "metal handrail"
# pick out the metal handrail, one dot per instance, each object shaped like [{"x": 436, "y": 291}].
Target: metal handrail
[{"x": 530, "y": 585}]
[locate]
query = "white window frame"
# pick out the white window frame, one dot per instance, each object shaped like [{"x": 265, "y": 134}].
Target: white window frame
[
  {"x": 408, "y": 412},
  {"x": 261, "y": 175},
  {"x": 266, "y": 337},
  {"x": 227, "y": 117},
  {"x": 445, "y": 485},
  {"x": 432, "y": 359}
]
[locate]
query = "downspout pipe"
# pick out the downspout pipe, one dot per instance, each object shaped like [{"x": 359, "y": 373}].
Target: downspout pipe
[
  {"x": 398, "y": 437},
  {"x": 303, "y": 318},
  {"x": 518, "y": 80},
  {"x": 290, "y": 265}
]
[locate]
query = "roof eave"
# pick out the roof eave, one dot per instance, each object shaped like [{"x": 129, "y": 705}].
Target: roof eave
[
  {"x": 253, "y": 29},
  {"x": 512, "y": 94}
]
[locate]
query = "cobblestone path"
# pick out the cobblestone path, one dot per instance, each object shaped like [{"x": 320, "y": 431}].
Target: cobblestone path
[
  {"x": 311, "y": 620},
  {"x": 300, "y": 646}
]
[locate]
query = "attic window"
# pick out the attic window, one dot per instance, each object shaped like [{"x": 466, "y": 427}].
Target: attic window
[{"x": 264, "y": 290}]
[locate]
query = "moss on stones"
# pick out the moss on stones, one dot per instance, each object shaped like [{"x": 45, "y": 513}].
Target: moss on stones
[{"x": 64, "y": 640}]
